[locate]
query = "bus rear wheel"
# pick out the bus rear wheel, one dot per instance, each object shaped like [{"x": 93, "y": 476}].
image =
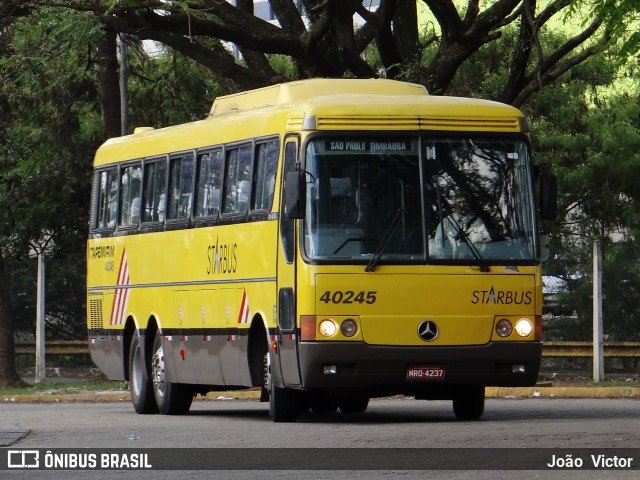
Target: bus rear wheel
[
  {"x": 468, "y": 404},
  {"x": 140, "y": 385},
  {"x": 171, "y": 398}
]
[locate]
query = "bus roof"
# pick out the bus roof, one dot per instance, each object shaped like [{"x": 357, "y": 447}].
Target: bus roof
[
  {"x": 317, "y": 104},
  {"x": 300, "y": 91}
]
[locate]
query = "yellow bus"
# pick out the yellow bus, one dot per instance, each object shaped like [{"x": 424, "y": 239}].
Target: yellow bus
[{"x": 325, "y": 241}]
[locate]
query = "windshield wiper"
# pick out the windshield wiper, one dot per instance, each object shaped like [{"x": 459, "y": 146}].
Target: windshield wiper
[
  {"x": 371, "y": 266},
  {"x": 463, "y": 237}
]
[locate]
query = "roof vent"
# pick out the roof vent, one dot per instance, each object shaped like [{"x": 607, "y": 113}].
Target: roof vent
[{"x": 140, "y": 130}]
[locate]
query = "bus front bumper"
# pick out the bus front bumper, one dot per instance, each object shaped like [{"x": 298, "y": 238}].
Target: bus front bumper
[{"x": 386, "y": 369}]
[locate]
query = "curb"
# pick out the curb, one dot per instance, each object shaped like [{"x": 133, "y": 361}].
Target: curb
[
  {"x": 491, "y": 392},
  {"x": 116, "y": 396},
  {"x": 563, "y": 392}
]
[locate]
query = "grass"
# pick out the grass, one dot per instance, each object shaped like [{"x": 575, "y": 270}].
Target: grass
[
  {"x": 631, "y": 382},
  {"x": 64, "y": 386}
]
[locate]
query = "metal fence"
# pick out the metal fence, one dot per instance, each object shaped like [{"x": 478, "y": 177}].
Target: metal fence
[
  {"x": 568, "y": 292},
  {"x": 65, "y": 313},
  {"x": 568, "y": 308}
]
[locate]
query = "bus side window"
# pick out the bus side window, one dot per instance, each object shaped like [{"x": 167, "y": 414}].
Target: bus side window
[
  {"x": 210, "y": 174},
  {"x": 237, "y": 180},
  {"x": 107, "y": 201},
  {"x": 181, "y": 187},
  {"x": 130, "y": 185},
  {"x": 153, "y": 194},
  {"x": 265, "y": 175}
]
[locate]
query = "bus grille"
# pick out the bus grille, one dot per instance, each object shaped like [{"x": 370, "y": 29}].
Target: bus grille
[
  {"x": 95, "y": 314},
  {"x": 473, "y": 124},
  {"x": 369, "y": 123}
]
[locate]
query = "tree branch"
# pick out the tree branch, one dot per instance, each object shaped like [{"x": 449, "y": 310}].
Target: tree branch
[
  {"x": 527, "y": 36},
  {"x": 535, "y": 83},
  {"x": 255, "y": 61},
  {"x": 572, "y": 44},
  {"x": 288, "y": 16},
  {"x": 216, "y": 58}
]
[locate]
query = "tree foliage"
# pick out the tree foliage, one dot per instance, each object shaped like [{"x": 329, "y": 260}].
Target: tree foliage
[
  {"x": 331, "y": 45},
  {"x": 51, "y": 114},
  {"x": 588, "y": 128}
]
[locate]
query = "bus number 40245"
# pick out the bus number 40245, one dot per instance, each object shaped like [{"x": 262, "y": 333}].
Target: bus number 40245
[{"x": 348, "y": 296}]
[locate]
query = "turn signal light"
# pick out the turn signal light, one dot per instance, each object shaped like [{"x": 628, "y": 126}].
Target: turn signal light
[
  {"x": 504, "y": 328},
  {"x": 348, "y": 328}
]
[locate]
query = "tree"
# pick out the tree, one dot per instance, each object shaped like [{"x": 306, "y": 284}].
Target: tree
[
  {"x": 332, "y": 46},
  {"x": 8, "y": 375},
  {"x": 57, "y": 75},
  {"x": 51, "y": 124}
]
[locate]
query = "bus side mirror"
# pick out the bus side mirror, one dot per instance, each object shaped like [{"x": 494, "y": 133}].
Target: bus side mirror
[
  {"x": 548, "y": 195},
  {"x": 294, "y": 188}
]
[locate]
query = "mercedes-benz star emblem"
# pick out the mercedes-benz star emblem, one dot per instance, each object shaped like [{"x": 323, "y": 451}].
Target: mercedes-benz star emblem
[{"x": 428, "y": 330}]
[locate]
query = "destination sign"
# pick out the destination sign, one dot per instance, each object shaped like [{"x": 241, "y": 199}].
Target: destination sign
[{"x": 368, "y": 146}]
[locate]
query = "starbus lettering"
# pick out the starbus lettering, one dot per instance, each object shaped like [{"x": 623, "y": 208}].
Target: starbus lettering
[
  {"x": 502, "y": 297},
  {"x": 222, "y": 258}
]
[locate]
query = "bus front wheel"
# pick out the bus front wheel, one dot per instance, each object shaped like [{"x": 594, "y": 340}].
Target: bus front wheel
[
  {"x": 171, "y": 398},
  {"x": 468, "y": 404},
  {"x": 283, "y": 402},
  {"x": 140, "y": 385}
]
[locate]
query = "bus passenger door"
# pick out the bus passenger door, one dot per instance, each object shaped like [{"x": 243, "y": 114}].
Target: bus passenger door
[{"x": 288, "y": 338}]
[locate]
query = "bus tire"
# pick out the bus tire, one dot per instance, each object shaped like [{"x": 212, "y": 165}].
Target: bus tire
[
  {"x": 140, "y": 385},
  {"x": 283, "y": 402},
  {"x": 171, "y": 398},
  {"x": 353, "y": 404},
  {"x": 468, "y": 404}
]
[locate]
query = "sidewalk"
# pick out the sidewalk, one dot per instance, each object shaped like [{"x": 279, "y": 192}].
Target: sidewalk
[{"x": 550, "y": 385}]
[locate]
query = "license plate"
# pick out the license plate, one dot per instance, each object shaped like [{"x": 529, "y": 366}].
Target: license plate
[{"x": 425, "y": 372}]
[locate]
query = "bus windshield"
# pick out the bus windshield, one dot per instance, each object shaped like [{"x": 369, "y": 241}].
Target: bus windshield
[{"x": 411, "y": 200}]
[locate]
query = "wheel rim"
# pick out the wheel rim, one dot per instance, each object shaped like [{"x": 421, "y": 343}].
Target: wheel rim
[
  {"x": 268, "y": 380},
  {"x": 137, "y": 374},
  {"x": 158, "y": 371}
]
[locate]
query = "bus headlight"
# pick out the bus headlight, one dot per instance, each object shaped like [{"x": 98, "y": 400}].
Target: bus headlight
[
  {"x": 348, "y": 328},
  {"x": 523, "y": 327},
  {"x": 327, "y": 327},
  {"x": 504, "y": 328}
]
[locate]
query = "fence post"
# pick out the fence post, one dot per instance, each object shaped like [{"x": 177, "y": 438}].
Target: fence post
[
  {"x": 598, "y": 350},
  {"x": 40, "y": 320}
]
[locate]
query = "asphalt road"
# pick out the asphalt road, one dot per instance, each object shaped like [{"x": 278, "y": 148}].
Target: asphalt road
[{"x": 401, "y": 429}]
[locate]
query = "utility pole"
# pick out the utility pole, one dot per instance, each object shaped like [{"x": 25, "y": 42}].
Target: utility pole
[
  {"x": 41, "y": 373},
  {"x": 40, "y": 248},
  {"x": 124, "y": 81},
  {"x": 598, "y": 348}
]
